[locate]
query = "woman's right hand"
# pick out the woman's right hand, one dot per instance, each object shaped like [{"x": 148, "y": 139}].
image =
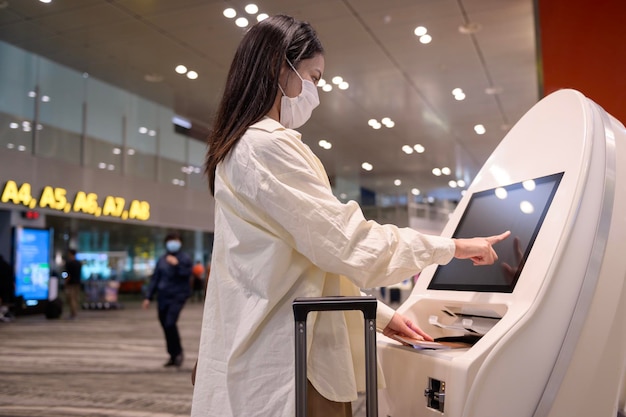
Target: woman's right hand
[{"x": 479, "y": 249}]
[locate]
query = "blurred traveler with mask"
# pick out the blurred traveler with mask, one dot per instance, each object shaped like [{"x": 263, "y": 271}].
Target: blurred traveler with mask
[{"x": 170, "y": 282}]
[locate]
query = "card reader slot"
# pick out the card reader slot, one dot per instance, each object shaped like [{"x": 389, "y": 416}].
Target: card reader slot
[{"x": 470, "y": 339}]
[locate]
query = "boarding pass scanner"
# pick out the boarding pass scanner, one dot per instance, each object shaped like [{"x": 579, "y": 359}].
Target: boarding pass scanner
[{"x": 542, "y": 332}]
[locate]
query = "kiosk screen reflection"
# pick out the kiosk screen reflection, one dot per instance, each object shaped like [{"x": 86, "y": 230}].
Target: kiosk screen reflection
[{"x": 520, "y": 208}]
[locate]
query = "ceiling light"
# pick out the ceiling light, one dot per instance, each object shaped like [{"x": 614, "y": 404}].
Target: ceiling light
[
  {"x": 480, "y": 129},
  {"x": 261, "y": 17},
  {"x": 459, "y": 97},
  {"x": 242, "y": 22},
  {"x": 470, "y": 28},
  {"x": 21, "y": 148},
  {"x": 457, "y": 91},
  {"x": 32, "y": 94},
  {"x": 415, "y": 191},
  {"x": 343, "y": 85},
  {"x": 445, "y": 171},
  {"x": 388, "y": 122},
  {"x": 397, "y": 183},
  {"x": 436, "y": 172},
  {"x": 130, "y": 151},
  {"x": 45, "y": 1},
  {"x": 493, "y": 90},
  {"x": 420, "y": 31},
  {"x": 452, "y": 184},
  {"x": 526, "y": 207},
  {"x": 192, "y": 75},
  {"x": 529, "y": 185},
  {"x": 252, "y": 9},
  {"x": 327, "y": 87},
  {"x": 117, "y": 151},
  {"x": 181, "y": 69},
  {"x": 372, "y": 122},
  {"x": 45, "y": 99},
  {"x": 426, "y": 39},
  {"x": 143, "y": 130},
  {"x": 367, "y": 166},
  {"x": 321, "y": 82},
  {"x": 14, "y": 125},
  {"x": 501, "y": 193},
  {"x": 151, "y": 133},
  {"x": 102, "y": 165},
  {"x": 325, "y": 144},
  {"x": 377, "y": 126},
  {"x": 419, "y": 148},
  {"x": 337, "y": 80},
  {"x": 181, "y": 121},
  {"x": 10, "y": 145},
  {"x": 153, "y": 77},
  {"x": 230, "y": 13},
  {"x": 460, "y": 183},
  {"x": 407, "y": 149},
  {"x": 110, "y": 167}
]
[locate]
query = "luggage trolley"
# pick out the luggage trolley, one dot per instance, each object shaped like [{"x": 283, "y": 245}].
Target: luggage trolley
[{"x": 301, "y": 307}]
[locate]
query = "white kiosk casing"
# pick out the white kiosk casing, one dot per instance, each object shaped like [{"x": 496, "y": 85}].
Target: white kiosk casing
[{"x": 554, "y": 342}]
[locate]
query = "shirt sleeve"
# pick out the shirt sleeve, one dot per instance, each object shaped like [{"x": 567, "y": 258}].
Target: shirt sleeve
[{"x": 287, "y": 186}]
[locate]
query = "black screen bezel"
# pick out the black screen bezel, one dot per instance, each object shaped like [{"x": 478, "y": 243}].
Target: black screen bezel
[{"x": 505, "y": 288}]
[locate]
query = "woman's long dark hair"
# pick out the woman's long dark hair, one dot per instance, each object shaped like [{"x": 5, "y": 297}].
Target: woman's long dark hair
[{"x": 252, "y": 82}]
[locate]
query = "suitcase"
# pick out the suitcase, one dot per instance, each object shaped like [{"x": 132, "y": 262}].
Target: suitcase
[{"x": 301, "y": 307}]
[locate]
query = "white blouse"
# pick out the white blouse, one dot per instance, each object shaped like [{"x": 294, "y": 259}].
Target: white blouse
[{"x": 280, "y": 233}]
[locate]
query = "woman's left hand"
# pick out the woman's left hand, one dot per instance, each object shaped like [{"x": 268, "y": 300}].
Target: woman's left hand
[{"x": 405, "y": 327}]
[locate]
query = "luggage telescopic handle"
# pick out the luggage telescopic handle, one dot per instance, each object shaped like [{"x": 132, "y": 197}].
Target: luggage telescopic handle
[{"x": 301, "y": 307}]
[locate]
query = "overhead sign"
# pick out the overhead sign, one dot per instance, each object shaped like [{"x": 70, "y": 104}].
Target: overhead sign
[{"x": 56, "y": 198}]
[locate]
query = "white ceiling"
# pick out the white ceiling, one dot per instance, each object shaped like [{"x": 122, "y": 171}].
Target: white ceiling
[{"x": 370, "y": 43}]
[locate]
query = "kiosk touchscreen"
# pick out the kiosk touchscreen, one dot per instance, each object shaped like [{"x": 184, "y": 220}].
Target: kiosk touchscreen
[
  {"x": 541, "y": 333},
  {"x": 520, "y": 208}
]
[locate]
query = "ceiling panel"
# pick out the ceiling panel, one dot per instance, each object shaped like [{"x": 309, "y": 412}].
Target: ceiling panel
[{"x": 370, "y": 43}]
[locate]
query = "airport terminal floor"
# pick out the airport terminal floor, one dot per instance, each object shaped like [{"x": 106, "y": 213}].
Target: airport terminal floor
[{"x": 105, "y": 363}]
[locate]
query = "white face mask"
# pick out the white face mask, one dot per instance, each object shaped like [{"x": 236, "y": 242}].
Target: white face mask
[{"x": 295, "y": 111}]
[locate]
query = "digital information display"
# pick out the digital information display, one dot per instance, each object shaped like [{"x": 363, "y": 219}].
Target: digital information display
[
  {"x": 520, "y": 208},
  {"x": 32, "y": 263}
]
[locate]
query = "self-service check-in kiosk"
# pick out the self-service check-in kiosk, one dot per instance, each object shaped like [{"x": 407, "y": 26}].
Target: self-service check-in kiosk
[{"x": 543, "y": 331}]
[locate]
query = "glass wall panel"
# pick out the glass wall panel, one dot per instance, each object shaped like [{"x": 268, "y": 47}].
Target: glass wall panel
[
  {"x": 60, "y": 100},
  {"x": 103, "y": 155},
  {"x": 17, "y": 82},
  {"x": 141, "y": 138},
  {"x": 106, "y": 106},
  {"x": 61, "y": 96},
  {"x": 173, "y": 168},
  {"x": 171, "y": 144},
  {"x": 15, "y": 133},
  {"x": 195, "y": 159},
  {"x": 104, "y": 127},
  {"x": 57, "y": 143},
  {"x": 17, "y": 106}
]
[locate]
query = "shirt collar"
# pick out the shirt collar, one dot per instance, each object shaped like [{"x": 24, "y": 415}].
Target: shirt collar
[{"x": 270, "y": 125}]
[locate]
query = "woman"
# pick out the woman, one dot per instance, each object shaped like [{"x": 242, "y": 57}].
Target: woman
[{"x": 281, "y": 234}]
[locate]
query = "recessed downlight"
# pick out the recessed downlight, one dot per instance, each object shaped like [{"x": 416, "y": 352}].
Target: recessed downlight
[{"x": 230, "y": 12}]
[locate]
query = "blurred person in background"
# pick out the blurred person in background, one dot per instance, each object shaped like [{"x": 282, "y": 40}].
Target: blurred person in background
[
  {"x": 73, "y": 270},
  {"x": 170, "y": 283}
]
